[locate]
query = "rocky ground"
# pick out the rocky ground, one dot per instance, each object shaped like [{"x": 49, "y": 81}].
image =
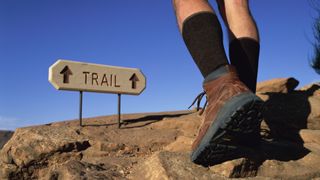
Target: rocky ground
[{"x": 157, "y": 145}]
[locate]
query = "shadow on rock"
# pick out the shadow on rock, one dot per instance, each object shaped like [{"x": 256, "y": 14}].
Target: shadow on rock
[
  {"x": 287, "y": 113},
  {"x": 147, "y": 120},
  {"x": 5, "y": 137},
  {"x": 98, "y": 125},
  {"x": 282, "y": 150}
]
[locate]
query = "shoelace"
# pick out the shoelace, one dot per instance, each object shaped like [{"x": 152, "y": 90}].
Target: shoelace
[{"x": 198, "y": 101}]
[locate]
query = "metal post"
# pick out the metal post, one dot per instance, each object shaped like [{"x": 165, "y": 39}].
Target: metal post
[
  {"x": 80, "y": 109},
  {"x": 119, "y": 111}
]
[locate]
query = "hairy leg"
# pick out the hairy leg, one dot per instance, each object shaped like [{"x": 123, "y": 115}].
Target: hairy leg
[
  {"x": 238, "y": 18},
  {"x": 244, "y": 39},
  {"x": 186, "y": 8}
]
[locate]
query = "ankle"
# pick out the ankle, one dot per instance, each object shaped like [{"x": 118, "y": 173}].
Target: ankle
[{"x": 222, "y": 70}]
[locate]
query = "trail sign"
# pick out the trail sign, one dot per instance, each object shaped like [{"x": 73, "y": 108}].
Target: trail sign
[{"x": 79, "y": 76}]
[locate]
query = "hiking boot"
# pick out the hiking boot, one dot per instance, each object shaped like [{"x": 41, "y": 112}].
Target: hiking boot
[{"x": 232, "y": 119}]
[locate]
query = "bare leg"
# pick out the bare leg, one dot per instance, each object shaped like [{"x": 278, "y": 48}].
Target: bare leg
[
  {"x": 238, "y": 18},
  {"x": 244, "y": 44},
  {"x": 185, "y": 8},
  {"x": 202, "y": 34},
  {"x": 231, "y": 114}
]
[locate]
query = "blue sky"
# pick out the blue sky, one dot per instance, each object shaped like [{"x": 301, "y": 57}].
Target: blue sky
[{"x": 140, "y": 34}]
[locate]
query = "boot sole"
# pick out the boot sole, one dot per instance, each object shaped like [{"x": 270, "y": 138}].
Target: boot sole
[{"x": 235, "y": 129}]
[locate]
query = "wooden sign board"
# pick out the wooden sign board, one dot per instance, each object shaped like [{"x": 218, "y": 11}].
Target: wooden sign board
[{"x": 79, "y": 76}]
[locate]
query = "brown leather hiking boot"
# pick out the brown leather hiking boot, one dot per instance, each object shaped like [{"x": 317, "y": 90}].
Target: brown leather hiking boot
[{"x": 231, "y": 119}]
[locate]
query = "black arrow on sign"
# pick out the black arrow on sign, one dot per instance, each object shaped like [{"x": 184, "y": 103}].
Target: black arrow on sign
[
  {"x": 134, "y": 80},
  {"x": 66, "y": 73}
]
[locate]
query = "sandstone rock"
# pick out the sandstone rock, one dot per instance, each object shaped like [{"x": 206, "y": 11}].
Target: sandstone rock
[
  {"x": 273, "y": 160},
  {"x": 172, "y": 165},
  {"x": 310, "y": 136},
  {"x": 177, "y": 165},
  {"x": 313, "y": 147},
  {"x": 307, "y": 167},
  {"x": 7, "y": 171},
  {"x": 75, "y": 170},
  {"x": 263, "y": 96},
  {"x": 157, "y": 146},
  {"x": 237, "y": 168},
  {"x": 280, "y": 85},
  {"x": 108, "y": 146},
  {"x": 182, "y": 144},
  {"x": 34, "y": 144},
  {"x": 314, "y": 87},
  {"x": 315, "y": 107},
  {"x": 187, "y": 124},
  {"x": 112, "y": 153}
]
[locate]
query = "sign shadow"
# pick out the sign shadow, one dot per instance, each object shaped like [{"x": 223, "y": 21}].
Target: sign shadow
[{"x": 148, "y": 120}]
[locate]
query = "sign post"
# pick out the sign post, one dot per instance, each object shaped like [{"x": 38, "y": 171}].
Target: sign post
[
  {"x": 80, "y": 108},
  {"x": 119, "y": 111},
  {"x": 79, "y": 76}
]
